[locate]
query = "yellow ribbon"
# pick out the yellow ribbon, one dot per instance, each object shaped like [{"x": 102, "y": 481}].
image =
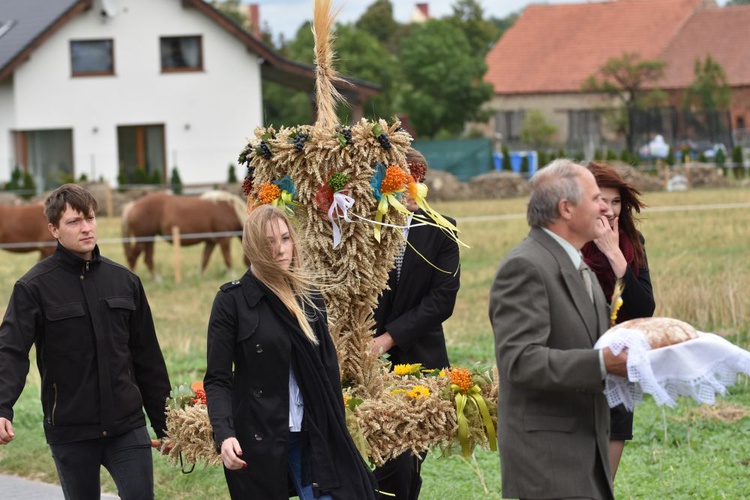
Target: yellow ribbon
[
  {"x": 285, "y": 202},
  {"x": 473, "y": 395}
]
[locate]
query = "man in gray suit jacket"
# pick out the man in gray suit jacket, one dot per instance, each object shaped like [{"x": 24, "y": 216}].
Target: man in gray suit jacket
[{"x": 553, "y": 418}]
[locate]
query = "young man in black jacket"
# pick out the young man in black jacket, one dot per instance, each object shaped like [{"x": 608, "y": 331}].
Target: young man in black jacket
[{"x": 97, "y": 353}]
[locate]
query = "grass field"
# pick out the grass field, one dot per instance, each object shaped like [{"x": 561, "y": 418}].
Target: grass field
[{"x": 700, "y": 266}]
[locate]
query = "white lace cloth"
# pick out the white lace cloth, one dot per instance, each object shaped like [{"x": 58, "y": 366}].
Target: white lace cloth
[{"x": 698, "y": 368}]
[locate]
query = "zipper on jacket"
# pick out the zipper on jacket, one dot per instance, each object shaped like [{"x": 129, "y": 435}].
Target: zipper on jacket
[
  {"x": 85, "y": 269},
  {"x": 54, "y": 403}
]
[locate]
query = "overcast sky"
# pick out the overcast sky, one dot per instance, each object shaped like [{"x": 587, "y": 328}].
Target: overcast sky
[{"x": 286, "y": 16}]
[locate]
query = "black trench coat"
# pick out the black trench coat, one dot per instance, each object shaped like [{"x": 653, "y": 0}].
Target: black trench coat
[{"x": 251, "y": 403}]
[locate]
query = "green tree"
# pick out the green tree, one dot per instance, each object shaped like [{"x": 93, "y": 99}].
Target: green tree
[
  {"x": 14, "y": 184},
  {"x": 623, "y": 78},
  {"x": 231, "y": 9},
  {"x": 28, "y": 185},
  {"x": 231, "y": 175},
  {"x": 536, "y": 131},
  {"x": 378, "y": 21},
  {"x": 362, "y": 56},
  {"x": 710, "y": 89},
  {"x": 468, "y": 16},
  {"x": 283, "y": 105},
  {"x": 670, "y": 157},
  {"x": 525, "y": 165},
  {"x": 708, "y": 94},
  {"x": 506, "y": 159},
  {"x": 738, "y": 161},
  {"x": 175, "y": 181},
  {"x": 445, "y": 86},
  {"x": 503, "y": 24},
  {"x": 732, "y": 3}
]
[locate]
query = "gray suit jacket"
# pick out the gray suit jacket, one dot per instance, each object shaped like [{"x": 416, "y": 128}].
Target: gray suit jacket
[{"x": 553, "y": 419}]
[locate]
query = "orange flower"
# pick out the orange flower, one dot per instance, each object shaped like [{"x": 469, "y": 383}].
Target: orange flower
[
  {"x": 197, "y": 386},
  {"x": 268, "y": 191},
  {"x": 395, "y": 179},
  {"x": 461, "y": 377}
]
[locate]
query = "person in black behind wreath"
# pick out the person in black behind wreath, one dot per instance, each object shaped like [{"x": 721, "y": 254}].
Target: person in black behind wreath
[
  {"x": 421, "y": 294},
  {"x": 620, "y": 253},
  {"x": 272, "y": 381},
  {"x": 97, "y": 354}
]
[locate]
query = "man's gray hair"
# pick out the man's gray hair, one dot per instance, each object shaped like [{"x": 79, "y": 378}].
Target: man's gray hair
[{"x": 553, "y": 183}]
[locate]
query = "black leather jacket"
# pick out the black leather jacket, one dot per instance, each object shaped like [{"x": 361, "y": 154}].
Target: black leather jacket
[{"x": 96, "y": 348}]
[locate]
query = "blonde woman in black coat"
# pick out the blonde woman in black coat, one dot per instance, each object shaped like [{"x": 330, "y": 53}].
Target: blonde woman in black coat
[{"x": 272, "y": 378}]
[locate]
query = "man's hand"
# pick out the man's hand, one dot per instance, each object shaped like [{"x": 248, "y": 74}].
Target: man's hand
[
  {"x": 6, "y": 431},
  {"x": 231, "y": 453},
  {"x": 382, "y": 344},
  {"x": 616, "y": 365},
  {"x": 162, "y": 446}
]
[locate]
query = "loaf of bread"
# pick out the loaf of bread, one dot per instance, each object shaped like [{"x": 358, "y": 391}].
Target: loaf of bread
[{"x": 660, "y": 332}]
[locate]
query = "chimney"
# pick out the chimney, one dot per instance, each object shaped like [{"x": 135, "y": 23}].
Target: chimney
[
  {"x": 421, "y": 12},
  {"x": 253, "y": 19}
]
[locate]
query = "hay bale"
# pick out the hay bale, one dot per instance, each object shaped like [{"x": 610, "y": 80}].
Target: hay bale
[{"x": 499, "y": 184}]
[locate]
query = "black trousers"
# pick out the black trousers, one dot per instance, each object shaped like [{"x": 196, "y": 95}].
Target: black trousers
[
  {"x": 127, "y": 457},
  {"x": 400, "y": 477}
]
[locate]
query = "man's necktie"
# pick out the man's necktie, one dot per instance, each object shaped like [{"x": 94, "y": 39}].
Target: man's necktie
[{"x": 585, "y": 272}]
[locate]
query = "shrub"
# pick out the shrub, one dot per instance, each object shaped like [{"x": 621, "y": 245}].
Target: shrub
[
  {"x": 232, "y": 177},
  {"x": 506, "y": 159},
  {"x": 175, "y": 181}
]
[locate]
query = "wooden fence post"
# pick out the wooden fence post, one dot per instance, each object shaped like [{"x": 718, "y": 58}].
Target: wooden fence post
[{"x": 176, "y": 251}]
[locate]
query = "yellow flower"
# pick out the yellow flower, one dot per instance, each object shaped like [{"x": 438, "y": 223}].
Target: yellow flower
[
  {"x": 397, "y": 391},
  {"x": 615, "y": 307},
  {"x": 406, "y": 369},
  {"x": 418, "y": 391}
]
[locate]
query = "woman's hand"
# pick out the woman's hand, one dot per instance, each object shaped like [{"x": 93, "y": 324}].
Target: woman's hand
[
  {"x": 231, "y": 453},
  {"x": 608, "y": 242}
]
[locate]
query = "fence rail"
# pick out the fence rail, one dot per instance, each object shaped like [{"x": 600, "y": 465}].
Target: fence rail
[{"x": 187, "y": 236}]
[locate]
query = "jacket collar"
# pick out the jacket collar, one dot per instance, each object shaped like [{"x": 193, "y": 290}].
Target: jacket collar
[
  {"x": 73, "y": 262},
  {"x": 250, "y": 288}
]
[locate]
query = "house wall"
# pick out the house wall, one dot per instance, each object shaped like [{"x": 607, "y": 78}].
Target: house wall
[
  {"x": 205, "y": 124},
  {"x": 7, "y": 117},
  {"x": 555, "y": 108}
]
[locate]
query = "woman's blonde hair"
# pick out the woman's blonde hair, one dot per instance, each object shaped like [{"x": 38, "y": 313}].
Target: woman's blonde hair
[{"x": 291, "y": 286}]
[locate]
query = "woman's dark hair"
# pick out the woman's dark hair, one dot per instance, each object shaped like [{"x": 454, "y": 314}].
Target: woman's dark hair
[{"x": 607, "y": 177}]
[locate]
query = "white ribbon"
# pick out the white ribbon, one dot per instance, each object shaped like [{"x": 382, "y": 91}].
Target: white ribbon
[{"x": 343, "y": 203}]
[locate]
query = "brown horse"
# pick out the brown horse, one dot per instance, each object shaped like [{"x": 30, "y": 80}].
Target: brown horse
[
  {"x": 20, "y": 224},
  {"x": 157, "y": 213}
]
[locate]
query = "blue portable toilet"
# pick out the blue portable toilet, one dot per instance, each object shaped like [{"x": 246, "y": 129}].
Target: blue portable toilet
[{"x": 516, "y": 158}]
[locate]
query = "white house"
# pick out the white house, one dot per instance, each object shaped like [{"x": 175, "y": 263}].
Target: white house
[{"x": 108, "y": 87}]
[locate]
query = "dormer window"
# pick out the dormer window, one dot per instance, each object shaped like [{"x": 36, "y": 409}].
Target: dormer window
[
  {"x": 181, "y": 53},
  {"x": 92, "y": 57}
]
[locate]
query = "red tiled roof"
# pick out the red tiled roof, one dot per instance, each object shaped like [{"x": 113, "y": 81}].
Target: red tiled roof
[
  {"x": 554, "y": 48},
  {"x": 723, "y": 33}
]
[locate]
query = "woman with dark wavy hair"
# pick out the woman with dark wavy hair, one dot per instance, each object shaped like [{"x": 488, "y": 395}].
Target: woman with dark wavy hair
[{"x": 620, "y": 254}]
